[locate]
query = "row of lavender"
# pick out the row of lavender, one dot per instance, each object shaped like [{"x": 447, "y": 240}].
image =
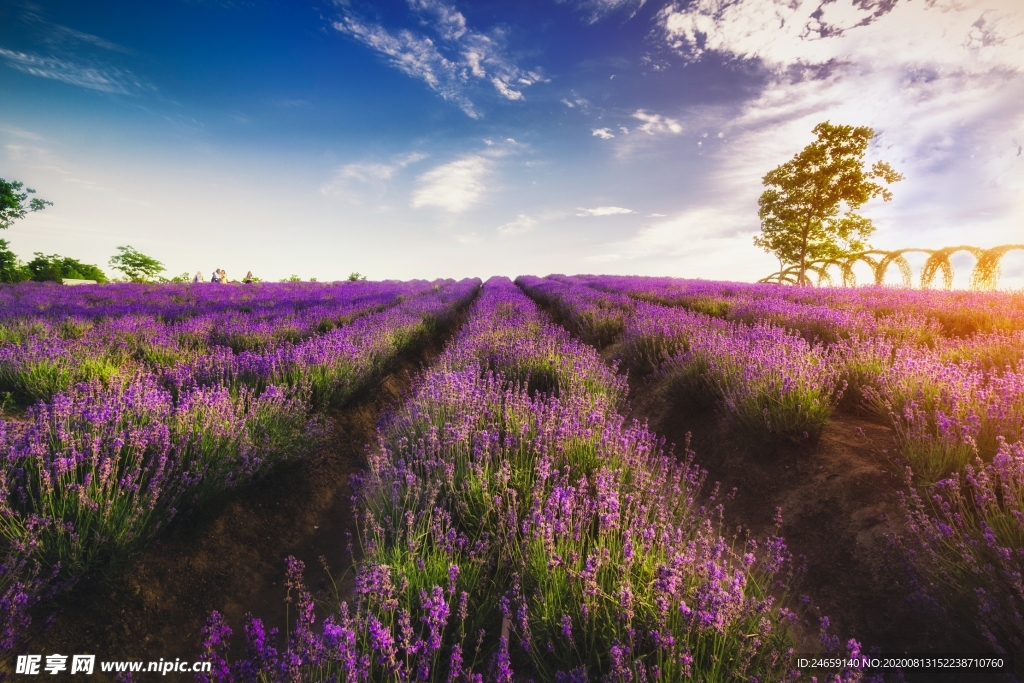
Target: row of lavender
[
  {"x": 831, "y": 311},
  {"x": 958, "y": 418},
  {"x": 948, "y": 401},
  {"x": 92, "y": 475},
  {"x": 182, "y": 301},
  {"x": 768, "y": 380},
  {"x": 513, "y": 527},
  {"x": 47, "y": 346}
]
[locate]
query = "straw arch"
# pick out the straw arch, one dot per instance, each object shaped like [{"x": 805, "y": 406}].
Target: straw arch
[
  {"x": 939, "y": 260},
  {"x": 986, "y": 270},
  {"x": 985, "y": 274},
  {"x": 898, "y": 259}
]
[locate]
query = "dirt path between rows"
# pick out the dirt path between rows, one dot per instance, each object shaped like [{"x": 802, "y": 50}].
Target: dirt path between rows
[
  {"x": 840, "y": 509},
  {"x": 230, "y": 557}
]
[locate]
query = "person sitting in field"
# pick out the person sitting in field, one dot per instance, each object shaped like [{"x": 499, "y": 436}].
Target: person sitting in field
[
  {"x": 198, "y": 277},
  {"x": 248, "y": 278},
  {"x": 223, "y": 276},
  {"x": 216, "y": 276}
]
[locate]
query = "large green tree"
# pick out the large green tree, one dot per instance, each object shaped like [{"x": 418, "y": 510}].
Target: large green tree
[
  {"x": 800, "y": 209},
  {"x": 135, "y": 265},
  {"x": 15, "y": 202}
]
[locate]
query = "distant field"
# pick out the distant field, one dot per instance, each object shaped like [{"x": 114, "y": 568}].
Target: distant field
[{"x": 578, "y": 478}]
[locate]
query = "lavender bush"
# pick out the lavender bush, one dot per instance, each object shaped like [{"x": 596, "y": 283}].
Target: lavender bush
[
  {"x": 944, "y": 413},
  {"x": 952, "y": 393},
  {"x": 968, "y": 545},
  {"x": 103, "y": 471},
  {"x": 897, "y": 310},
  {"x": 93, "y": 475},
  {"x": 768, "y": 381},
  {"x": 514, "y": 529},
  {"x": 47, "y": 353}
]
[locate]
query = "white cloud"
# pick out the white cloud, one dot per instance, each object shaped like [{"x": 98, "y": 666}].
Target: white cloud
[
  {"x": 522, "y": 224},
  {"x": 506, "y": 92},
  {"x": 367, "y": 179},
  {"x": 595, "y": 10},
  {"x": 43, "y": 159},
  {"x": 449, "y": 65},
  {"x": 603, "y": 211},
  {"x": 656, "y": 123},
  {"x": 940, "y": 81},
  {"x": 447, "y": 20},
  {"x": 99, "y": 77},
  {"x": 701, "y": 242},
  {"x": 63, "y": 36},
  {"x": 581, "y": 102},
  {"x": 603, "y": 133},
  {"x": 454, "y": 186},
  {"x": 21, "y": 133},
  {"x": 415, "y": 56},
  {"x": 474, "y": 60},
  {"x": 960, "y": 34}
]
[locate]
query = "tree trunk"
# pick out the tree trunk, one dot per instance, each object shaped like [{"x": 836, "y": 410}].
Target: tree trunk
[
  {"x": 803, "y": 240},
  {"x": 802, "y": 280}
]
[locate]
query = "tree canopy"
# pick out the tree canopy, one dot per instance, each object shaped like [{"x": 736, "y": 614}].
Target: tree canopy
[
  {"x": 800, "y": 209},
  {"x": 11, "y": 268},
  {"x": 13, "y": 202},
  {"x": 56, "y": 268},
  {"x": 135, "y": 265}
]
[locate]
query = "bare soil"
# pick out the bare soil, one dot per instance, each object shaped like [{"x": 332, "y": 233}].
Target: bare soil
[{"x": 230, "y": 557}]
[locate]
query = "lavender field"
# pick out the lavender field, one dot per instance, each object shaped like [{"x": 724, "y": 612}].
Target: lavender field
[{"x": 588, "y": 478}]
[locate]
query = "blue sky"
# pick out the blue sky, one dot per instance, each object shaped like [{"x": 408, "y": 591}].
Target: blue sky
[{"x": 420, "y": 138}]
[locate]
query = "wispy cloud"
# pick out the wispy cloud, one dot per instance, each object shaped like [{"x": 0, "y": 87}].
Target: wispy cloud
[
  {"x": 654, "y": 124},
  {"x": 595, "y": 10},
  {"x": 941, "y": 82},
  {"x": 451, "y": 64},
  {"x": 455, "y": 186},
  {"x": 103, "y": 78},
  {"x": 44, "y": 160},
  {"x": 703, "y": 242},
  {"x": 603, "y": 133},
  {"x": 20, "y": 132},
  {"x": 64, "y": 36},
  {"x": 503, "y": 88},
  {"x": 360, "y": 181},
  {"x": 580, "y": 102},
  {"x": 521, "y": 225},
  {"x": 449, "y": 23},
  {"x": 602, "y": 211},
  {"x": 73, "y": 57},
  {"x": 961, "y": 34},
  {"x": 468, "y": 238}
]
